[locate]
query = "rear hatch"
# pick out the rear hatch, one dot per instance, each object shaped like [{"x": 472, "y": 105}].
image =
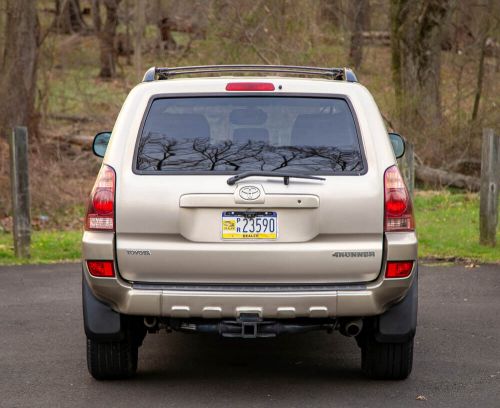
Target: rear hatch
[{"x": 179, "y": 221}]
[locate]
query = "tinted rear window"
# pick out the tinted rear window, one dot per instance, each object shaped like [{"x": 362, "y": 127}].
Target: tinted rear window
[{"x": 236, "y": 134}]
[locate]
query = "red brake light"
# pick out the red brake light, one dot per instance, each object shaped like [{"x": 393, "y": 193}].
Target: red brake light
[
  {"x": 250, "y": 86},
  {"x": 398, "y": 205},
  {"x": 101, "y": 269},
  {"x": 103, "y": 201},
  {"x": 398, "y": 269},
  {"x": 101, "y": 208}
]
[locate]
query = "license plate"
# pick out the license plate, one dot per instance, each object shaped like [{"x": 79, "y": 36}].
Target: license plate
[{"x": 249, "y": 225}]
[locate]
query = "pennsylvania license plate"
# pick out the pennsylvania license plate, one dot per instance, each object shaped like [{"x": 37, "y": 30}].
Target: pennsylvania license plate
[{"x": 249, "y": 225}]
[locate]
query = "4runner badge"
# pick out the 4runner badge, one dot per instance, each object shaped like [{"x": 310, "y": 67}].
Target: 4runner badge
[{"x": 354, "y": 254}]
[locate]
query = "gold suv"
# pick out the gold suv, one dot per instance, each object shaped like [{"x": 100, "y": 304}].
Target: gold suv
[{"x": 249, "y": 206}]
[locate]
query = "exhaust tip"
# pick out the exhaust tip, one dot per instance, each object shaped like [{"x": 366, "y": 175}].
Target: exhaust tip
[
  {"x": 352, "y": 328},
  {"x": 150, "y": 322}
]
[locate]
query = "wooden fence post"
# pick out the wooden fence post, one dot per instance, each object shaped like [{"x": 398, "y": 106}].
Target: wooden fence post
[
  {"x": 490, "y": 181},
  {"x": 407, "y": 167},
  {"x": 20, "y": 191}
]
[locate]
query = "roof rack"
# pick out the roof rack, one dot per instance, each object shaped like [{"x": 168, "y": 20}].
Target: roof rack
[{"x": 339, "y": 74}]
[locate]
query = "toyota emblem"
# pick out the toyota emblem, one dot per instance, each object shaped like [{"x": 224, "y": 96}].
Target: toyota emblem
[{"x": 249, "y": 193}]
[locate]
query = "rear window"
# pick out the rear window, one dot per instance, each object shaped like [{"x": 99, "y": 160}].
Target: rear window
[{"x": 236, "y": 134}]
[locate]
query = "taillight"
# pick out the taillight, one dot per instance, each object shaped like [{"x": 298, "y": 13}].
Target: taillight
[
  {"x": 398, "y": 206},
  {"x": 398, "y": 269},
  {"x": 101, "y": 269},
  {"x": 250, "y": 86},
  {"x": 101, "y": 208}
]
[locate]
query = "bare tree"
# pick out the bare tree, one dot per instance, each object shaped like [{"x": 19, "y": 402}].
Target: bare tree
[
  {"x": 106, "y": 33},
  {"x": 69, "y": 18},
  {"x": 96, "y": 15},
  {"x": 19, "y": 66},
  {"x": 330, "y": 10},
  {"x": 416, "y": 29},
  {"x": 124, "y": 45},
  {"x": 167, "y": 41},
  {"x": 359, "y": 12},
  {"x": 140, "y": 23},
  {"x": 482, "y": 52}
]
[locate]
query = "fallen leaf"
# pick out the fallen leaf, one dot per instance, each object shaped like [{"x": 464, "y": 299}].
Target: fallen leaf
[
  {"x": 472, "y": 265},
  {"x": 421, "y": 398}
]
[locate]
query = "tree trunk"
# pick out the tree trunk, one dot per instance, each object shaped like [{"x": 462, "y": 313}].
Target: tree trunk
[
  {"x": 331, "y": 11},
  {"x": 140, "y": 22},
  {"x": 128, "y": 37},
  {"x": 96, "y": 15},
  {"x": 482, "y": 52},
  {"x": 68, "y": 17},
  {"x": 359, "y": 12},
  {"x": 441, "y": 178},
  {"x": 416, "y": 29},
  {"x": 167, "y": 40},
  {"x": 479, "y": 86},
  {"x": 106, "y": 36},
  {"x": 18, "y": 67}
]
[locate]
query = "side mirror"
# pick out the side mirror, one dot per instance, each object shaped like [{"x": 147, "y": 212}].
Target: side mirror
[
  {"x": 398, "y": 144},
  {"x": 100, "y": 143}
]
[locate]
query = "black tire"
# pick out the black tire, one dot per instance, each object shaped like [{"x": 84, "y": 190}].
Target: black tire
[
  {"x": 386, "y": 361},
  {"x": 113, "y": 359}
]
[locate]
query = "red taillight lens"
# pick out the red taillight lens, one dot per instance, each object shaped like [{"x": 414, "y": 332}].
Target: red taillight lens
[
  {"x": 398, "y": 269},
  {"x": 398, "y": 206},
  {"x": 101, "y": 208},
  {"x": 103, "y": 202},
  {"x": 250, "y": 86},
  {"x": 101, "y": 269}
]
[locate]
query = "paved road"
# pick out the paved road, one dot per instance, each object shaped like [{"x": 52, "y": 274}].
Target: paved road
[{"x": 42, "y": 355}]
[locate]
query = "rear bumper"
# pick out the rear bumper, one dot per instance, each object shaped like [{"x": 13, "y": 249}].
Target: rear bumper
[{"x": 367, "y": 299}]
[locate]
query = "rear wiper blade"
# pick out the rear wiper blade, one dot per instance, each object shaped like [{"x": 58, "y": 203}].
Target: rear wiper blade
[{"x": 286, "y": 176}]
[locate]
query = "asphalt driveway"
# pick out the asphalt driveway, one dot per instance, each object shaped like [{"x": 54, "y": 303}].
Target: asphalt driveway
[{"x": 42, "y": 354}]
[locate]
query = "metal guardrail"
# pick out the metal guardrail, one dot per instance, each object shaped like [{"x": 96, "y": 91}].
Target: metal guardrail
[{"x": 339, "y": 74}]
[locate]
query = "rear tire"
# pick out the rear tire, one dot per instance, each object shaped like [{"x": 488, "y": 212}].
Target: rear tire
[
  {"x": 386, "y": 361},
  {"x": 112, "y": 359}
]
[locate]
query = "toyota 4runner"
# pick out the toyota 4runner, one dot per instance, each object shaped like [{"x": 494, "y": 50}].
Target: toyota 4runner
[{"x": 249, "y": 206}]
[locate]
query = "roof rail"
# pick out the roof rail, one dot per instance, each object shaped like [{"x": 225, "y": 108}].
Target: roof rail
[{"x": 340, "y": 74}]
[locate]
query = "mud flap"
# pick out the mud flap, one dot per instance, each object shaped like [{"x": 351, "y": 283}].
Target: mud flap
[
  {"x": 399, "y": 323},
  {"x": 101, "y": 323}
]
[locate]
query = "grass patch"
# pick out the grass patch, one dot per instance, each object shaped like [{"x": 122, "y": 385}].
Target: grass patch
[
  {"x": 448, "y": 227},
  {"x": 46, "y": 247},
  {"x": 447, "y": 224}
]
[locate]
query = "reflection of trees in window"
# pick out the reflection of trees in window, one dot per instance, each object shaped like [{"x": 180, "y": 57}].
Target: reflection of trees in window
[
  {"x": 344, "y": 160},
  {"x": 157, "y": 152}
]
